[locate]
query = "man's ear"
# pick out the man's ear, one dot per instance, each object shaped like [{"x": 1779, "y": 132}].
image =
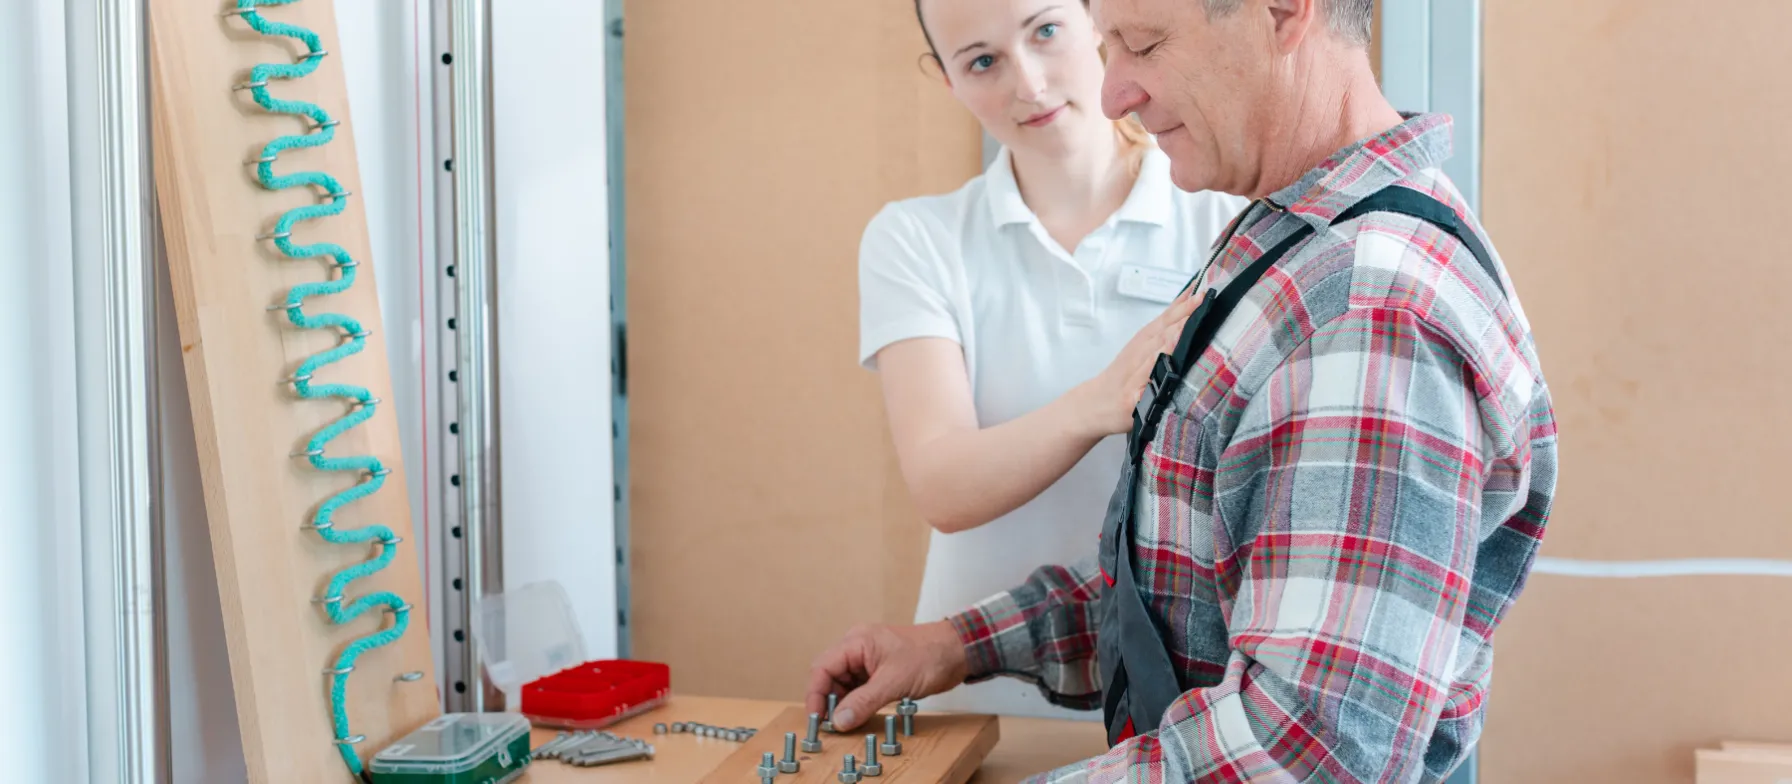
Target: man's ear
[{"x": 1292, "y": 21}]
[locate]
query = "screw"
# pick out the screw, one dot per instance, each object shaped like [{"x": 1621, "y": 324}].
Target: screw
[
  {"x": 812, "y": 744},
  {"x": 827, "y": 725},
  {"x": 768, "y": 765},
  {"x": 551, "y": 746},
  {"x": 849, "y": 771},
  {"x": 677, "y": 727},
  {"x": 872, "y": 768},
  {"x": 659, "y": 729},
  {"x": 908, "y": 708},
  {"x": 892, "y": 747},
  {"x": 789, "y": 764}
]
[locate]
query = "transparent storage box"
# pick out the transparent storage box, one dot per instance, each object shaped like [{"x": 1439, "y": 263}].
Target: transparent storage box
[
  {"x": 458, "y": 748},
  {"x": 533, "y": 652}
]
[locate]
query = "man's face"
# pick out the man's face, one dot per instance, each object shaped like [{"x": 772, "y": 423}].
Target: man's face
[{"x": 1194, "y": 82}]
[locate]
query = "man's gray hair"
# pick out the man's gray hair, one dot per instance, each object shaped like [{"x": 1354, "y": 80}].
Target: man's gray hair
[{"x": 1350, "y": 20}]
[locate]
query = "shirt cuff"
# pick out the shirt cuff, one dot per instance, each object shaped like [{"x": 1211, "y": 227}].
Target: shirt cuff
[{"x": 977, "y": 631}]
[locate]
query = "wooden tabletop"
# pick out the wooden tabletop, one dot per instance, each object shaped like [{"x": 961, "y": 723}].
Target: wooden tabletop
[{"x": 1028, "y": 746}]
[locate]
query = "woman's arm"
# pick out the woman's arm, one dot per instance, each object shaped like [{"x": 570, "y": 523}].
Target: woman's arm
[{"x": 963, "y": 475}]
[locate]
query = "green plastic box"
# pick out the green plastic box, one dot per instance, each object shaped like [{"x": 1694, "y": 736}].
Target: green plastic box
[{"x": 457, "y": 748}]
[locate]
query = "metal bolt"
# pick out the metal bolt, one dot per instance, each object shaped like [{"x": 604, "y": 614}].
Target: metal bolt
[
  {"x": 659, "y": 729},
  {"x": 789, "y": 764},
  {"x": 849, "y": 771},
  {"x": 622, "y": 754},
  {"x": 812, "y": 743},
  {"x": 892, "y": 747},
  {"x": 768, "y": 765},
  {"x": 574, "y": 745},
  {"x": 827, "y": 725},
  {"x": 872, "y": 768},
  {"x": 549, "y": 747},
  {"x": 908, "y": 708}
]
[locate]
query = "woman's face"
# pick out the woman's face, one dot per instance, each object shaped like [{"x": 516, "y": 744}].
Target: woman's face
[{"x": 1030, "y": 70}]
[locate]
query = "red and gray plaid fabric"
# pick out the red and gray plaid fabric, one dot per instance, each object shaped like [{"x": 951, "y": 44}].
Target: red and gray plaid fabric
[{"x": 1340, "y": 508}]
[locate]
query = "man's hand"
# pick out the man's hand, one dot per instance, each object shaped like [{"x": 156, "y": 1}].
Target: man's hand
[{"x": 874, "y": 666}]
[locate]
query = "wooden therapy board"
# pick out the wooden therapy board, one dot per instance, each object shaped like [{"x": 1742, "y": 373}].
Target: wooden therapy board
[
  {"x": 247, "y": 422},
  {"x": 946, "y": 748}
]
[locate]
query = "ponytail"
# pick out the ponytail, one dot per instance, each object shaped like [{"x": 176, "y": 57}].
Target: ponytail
[{"x": 1134, "y": 141}]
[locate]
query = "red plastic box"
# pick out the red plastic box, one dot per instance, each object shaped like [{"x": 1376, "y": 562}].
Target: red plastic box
[{"x": 596, "y": 694}]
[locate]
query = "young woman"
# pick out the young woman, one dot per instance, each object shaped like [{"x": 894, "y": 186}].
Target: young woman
[{"x": 1013, "y": 322}]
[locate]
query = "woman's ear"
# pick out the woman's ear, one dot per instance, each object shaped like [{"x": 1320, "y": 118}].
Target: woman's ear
[{"x": 938, "y": 68}]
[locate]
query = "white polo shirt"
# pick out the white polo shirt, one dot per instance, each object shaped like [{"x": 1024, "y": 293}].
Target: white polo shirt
[{"x": 976, "y": 266}]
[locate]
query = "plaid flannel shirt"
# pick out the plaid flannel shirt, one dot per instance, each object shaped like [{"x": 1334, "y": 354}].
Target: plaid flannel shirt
[{"x": 1341, "y": 505}]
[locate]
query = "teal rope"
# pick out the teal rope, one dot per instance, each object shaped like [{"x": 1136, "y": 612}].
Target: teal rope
[{"x": 339, "y": 610}]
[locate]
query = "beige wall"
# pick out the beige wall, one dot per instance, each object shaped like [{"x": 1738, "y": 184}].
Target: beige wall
[
  {"x": 767, "y": 512},
  {"x": 1636, "y": 165}
]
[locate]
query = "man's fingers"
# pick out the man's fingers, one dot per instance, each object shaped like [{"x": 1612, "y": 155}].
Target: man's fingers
[
  {"x": 863, "y": 702},
  {"x": 833, "y": 672}
]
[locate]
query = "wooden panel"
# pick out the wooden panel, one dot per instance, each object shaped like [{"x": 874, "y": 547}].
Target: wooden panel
[
  {"x": 759, "y": 454},
  {"x": 1742, "y": 767},
  {"x": 246, "y": 422},
  {"x": 945, "y": 749},
  {"x": 1630, "y": 147},
  {"x": 1621, "y": 680},
  {"x": 1626, "y": 141}
]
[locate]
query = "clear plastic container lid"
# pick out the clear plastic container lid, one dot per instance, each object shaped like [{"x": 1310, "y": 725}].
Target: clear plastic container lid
[
  {"x": 527, "y": 633},
  {"x": 453, "y": 743}
]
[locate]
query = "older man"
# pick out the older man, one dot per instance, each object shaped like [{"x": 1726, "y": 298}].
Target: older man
[{"x": 1337, "y": 484}]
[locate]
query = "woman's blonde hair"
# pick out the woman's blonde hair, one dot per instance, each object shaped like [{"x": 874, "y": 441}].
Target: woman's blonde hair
[{"x": 1134, "y": 140}]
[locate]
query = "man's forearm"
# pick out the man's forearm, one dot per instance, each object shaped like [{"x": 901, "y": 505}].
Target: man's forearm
[{"x": 1042, "y": 631}]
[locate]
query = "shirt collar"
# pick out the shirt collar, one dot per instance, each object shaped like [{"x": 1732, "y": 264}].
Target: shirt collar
[
  {"x": 1003, "y": 192},
  {"x": 1148, "y": 202},
  {"x": 1421, "y": 142}
]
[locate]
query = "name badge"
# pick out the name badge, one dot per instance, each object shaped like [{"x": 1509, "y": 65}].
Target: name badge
[{"x": 1152, "y": 284}]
